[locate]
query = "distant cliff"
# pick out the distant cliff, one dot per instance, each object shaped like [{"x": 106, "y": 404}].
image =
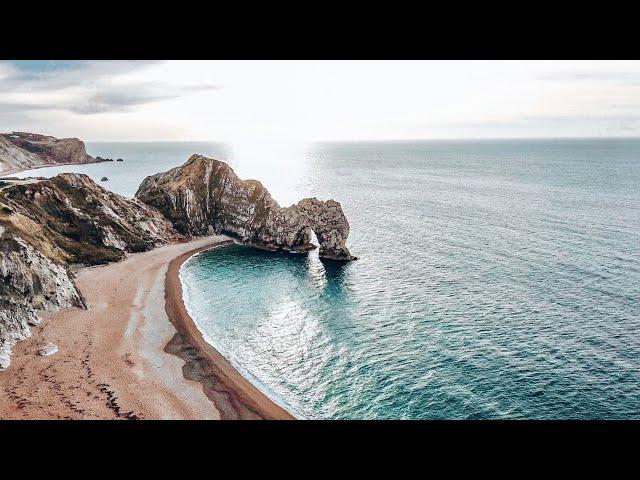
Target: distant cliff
[
  {"x": 22, "y": 151},
  {"x": 206, "y": 196},
  {"x": 47, "y": 227}
]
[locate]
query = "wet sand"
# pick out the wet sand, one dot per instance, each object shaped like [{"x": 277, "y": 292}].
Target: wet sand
[
  {"x": 130, "y": 355},
  {"x": 233, "y": 394}
]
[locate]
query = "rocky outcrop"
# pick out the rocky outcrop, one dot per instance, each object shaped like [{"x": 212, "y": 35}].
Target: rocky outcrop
[
  {"x": 206, "y": 196},
  {"x": 28, "y": 281},
  {"x": 22, "y": 151},
  {"x": 14, "y": 158},
  {"x": 73, "y": 220},
  {"x": 47, "y": 227}
]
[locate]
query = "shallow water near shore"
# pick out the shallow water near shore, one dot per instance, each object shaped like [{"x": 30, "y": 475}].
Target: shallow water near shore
[{"x": 496, "y": 279}]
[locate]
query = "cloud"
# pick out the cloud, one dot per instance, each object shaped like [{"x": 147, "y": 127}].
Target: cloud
[
  {"x": 623, "y": 77},
  {"x": 49, "y": 75},
  {"x": 566, "y": 125},
  {"x": 178, "y": 100},
  {"x": 83, "y": 87},
  {"x": 6, "y": 71},
  {"x": 119, "y": 99}
]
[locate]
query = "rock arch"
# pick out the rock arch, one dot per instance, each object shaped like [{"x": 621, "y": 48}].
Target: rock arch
[{"x": 205, "y": 195}]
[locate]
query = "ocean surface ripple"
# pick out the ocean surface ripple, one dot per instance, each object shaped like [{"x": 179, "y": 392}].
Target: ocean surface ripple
[{"x": 495, "y": 280}]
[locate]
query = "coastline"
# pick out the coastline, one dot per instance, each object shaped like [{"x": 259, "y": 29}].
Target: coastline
[
  {"x": 5, "y": 173},
  {"x": 113, "y": 359},
  {"x": 234, "y": 395}
]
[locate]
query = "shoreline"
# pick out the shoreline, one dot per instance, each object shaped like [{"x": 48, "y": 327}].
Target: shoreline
[
  {"x": 204, "y": 363},
  {"x": 5, "y": 173},
  {"x": 134, "y": 353}
]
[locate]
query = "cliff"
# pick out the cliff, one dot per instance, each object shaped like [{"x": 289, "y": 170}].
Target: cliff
[
  {"x": 29, "y": 281},
  {"x": 206, "y": 196},
  {"x": 48, "y": 228},
  {"x": 22, "y": 151}
]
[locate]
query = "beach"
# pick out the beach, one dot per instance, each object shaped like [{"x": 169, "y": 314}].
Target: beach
[{"x": 133, "y": 354}]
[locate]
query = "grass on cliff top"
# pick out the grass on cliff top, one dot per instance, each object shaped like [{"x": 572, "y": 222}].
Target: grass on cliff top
[{"x": 62, "y": 234}]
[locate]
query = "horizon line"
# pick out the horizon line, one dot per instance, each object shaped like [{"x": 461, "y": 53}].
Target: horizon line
[{"x": 417, "y": 139}]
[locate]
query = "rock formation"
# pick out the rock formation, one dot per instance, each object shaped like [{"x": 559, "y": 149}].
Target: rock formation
[
  {"x": 47, "y": 228},
  {"x": 206, "y": 196},
  {"x": 14, "y": 158},
  {"x": 76, "y": 221},
  {"x": 28, "y": 281},
  {"x": 22, "y": 151}
]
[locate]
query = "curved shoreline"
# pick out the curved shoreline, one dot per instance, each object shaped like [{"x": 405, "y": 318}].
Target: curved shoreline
[
  {"x": 5, "y": 173},
  {"x": 124, "y": 357},
  {"x": 235, "y": 397}
]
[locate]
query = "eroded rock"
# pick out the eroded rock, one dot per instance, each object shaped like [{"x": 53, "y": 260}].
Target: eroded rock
[
  {"x": 205, "y": 195},
  {"x": 72, "y": 219},
  {"x": 15, "y": 319}
]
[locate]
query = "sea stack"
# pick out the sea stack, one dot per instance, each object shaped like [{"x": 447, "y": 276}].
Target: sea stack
[{"x": 205, "y": 196}]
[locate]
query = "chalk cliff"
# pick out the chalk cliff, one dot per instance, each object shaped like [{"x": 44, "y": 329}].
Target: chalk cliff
[
  {"x": 206, "y": 196},
  {"x": 22, "y": 151}
]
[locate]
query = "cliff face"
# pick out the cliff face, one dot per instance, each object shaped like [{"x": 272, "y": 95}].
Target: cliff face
[
  {"x": 28, "y": 281},
  {"x": 73, "y": 220},
  {"x": 14, "y": 158},
  {"x": 206, "y": 196},
  {"x": 20, "y": 151},
  {"x": 49, "y": 226}
]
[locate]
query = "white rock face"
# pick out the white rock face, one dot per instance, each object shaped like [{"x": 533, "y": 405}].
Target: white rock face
[
  {"x": 14, "y": 326},
  {"x": 13, "y": 158},
  {"x": 29, "y": 281}
]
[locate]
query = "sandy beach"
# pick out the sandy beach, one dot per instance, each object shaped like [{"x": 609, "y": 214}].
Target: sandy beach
[{"x": 130, "y": 355}]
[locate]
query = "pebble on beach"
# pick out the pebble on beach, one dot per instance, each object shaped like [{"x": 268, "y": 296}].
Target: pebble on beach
[{"x": 48, "y": 350}]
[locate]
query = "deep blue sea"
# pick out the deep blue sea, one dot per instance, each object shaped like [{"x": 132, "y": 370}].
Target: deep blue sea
[{"x": 496, "y": 279}]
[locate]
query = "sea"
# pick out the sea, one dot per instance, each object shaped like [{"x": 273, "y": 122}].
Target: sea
[{"x": 496, "y": 279}]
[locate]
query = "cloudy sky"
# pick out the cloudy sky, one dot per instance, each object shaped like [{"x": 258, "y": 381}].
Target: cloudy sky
[{"x": 319, "y": 100}]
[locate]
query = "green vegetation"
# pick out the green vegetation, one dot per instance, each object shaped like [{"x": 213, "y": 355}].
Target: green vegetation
[{"x": 54, "y": 206}]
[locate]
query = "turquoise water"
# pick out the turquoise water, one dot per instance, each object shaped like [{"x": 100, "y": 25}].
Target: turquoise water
[{"x": 497, "y": 279}]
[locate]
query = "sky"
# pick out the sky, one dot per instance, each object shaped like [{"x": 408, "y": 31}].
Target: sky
[{"x": 319, "y": 100}]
